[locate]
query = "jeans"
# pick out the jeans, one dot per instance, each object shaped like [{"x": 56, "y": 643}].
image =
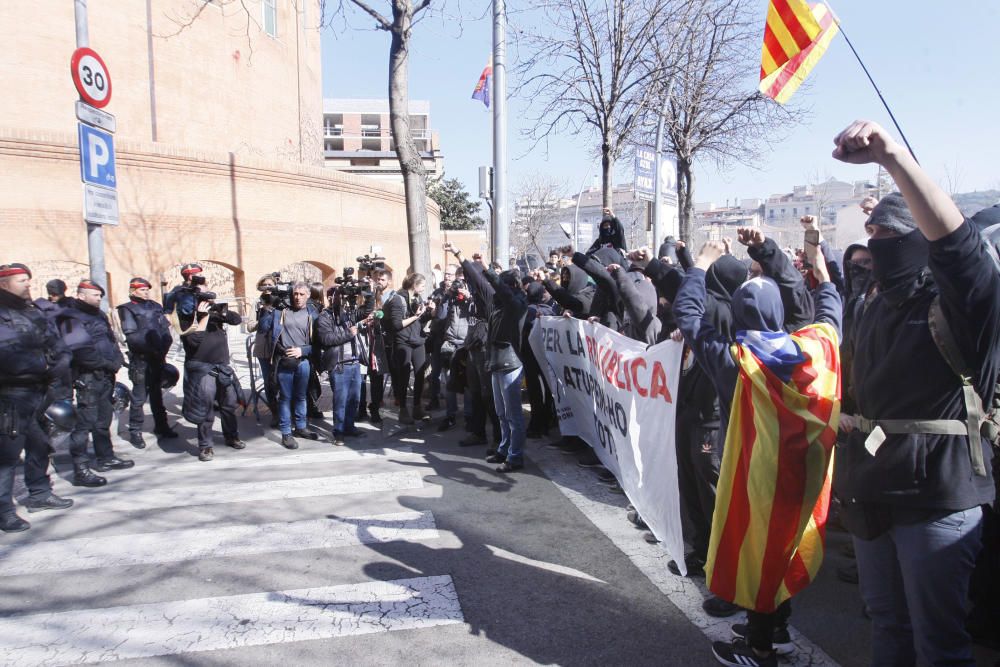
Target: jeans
[
  {"x": 345, "y": 382},
  {"x": 915, "y": 580},
  {"x": 293, "y": 385},
  {"x": 267, "y": 382},
  {"x": 761, "y": 627},
  {"x": 507, "y": 400}
]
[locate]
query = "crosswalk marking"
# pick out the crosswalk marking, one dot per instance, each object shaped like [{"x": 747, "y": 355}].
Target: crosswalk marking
[
  {"x": 217, "y": 542},
  {"x": 305, "y": 458},
  {"x": 90, "y": 636},
  {"x": 107, "y": 499}
]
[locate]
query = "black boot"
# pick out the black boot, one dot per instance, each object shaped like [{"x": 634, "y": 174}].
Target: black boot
[
  {"x": 84, "y": 476},
  {"x": 12, "y": 523}
]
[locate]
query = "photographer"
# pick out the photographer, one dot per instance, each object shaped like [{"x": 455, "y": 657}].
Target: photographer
[
  {"x": 440, "y": 297},
  {"x": 209, "y": 380},
  {"x": 181, "y": 299},
  {"x": 455, "y": 306},
  {"x": 406, "y": 314},
  {"x": 292, "y": 336},
  {"x": 379, "y": 347},
  {"x": 344, "y": 352},
  {"x": 262, "y": 347}
]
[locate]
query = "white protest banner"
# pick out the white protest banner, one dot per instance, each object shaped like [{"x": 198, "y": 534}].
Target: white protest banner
[{"x": 621, "y": 399}]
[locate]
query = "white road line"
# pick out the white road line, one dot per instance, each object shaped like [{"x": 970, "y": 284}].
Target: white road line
[
  {"x": 217, "y": 542},
  {"x": 607, "y": 511},
  {"x": 133, "y": 500},
  {"x": 168, "y": 628},
  {"x": 181, "y": 465}
]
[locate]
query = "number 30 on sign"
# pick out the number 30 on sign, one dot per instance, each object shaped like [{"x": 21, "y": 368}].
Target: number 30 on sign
[{"x": 91, "y": 77}]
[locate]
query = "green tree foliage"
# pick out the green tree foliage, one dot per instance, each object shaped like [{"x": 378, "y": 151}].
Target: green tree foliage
[{"x": 458, "y": 209}]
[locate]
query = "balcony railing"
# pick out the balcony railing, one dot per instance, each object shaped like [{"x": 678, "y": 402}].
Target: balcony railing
[{"x": 329, "y": 131}]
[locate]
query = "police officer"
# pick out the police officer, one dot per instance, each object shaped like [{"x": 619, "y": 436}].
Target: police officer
[
  {"x": 96, "y": 360},
  {"x": 34, "y": 369},
  {"x": 147, "y": 334},
  {"x": 181, "y": 299}
]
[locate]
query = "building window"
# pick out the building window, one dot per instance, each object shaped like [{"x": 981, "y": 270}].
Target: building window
[
  {"x": 795, "y": 212},
  {"x": 270, "y": 17}
]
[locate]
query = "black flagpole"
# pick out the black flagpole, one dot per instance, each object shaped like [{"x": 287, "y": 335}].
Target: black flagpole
[{"x": 875, "y": 86}]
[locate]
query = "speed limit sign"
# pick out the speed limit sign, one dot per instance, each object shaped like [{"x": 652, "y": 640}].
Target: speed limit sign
[{"x": 91, "y": 77}]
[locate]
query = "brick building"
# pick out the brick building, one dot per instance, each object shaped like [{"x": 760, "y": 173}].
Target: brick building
[{"x": 219, "y": 146}]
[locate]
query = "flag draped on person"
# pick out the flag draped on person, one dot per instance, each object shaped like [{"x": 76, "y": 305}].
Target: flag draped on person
[
  {"x": 774, "y": 483},
  {"x": 781, "y": 81},
  {"x": 482, "y": 91}
]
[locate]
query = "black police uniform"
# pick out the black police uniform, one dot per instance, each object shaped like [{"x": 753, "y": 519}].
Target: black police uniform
[
  {"x": 34, "y": 370},
  {"x": 96, "y": 360},
  {"x": 147, "y": 335}
]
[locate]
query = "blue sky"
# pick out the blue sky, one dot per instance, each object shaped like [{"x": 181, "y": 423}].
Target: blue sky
[{"x": 936, "y": 63}]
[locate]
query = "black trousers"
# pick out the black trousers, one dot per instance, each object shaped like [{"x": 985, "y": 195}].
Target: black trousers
[
  {"x": 538, "y": 394},
  {"x": 21, "y": 430},
  {"x": 480, "y": 385},
  {"x": 224, "y": 396},
  {"x": 93, "y": 416},
  {"x": 761, "y": 627},
  {"x": 407, "y": 360},
  {"x": 698, "y": 462},
  {"x": 146, "y": 376}
]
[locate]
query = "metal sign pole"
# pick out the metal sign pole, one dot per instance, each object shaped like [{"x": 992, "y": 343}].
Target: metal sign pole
[{"x": 95, "y": 233}]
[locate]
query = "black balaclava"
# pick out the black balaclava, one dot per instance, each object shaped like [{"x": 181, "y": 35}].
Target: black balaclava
[
  {"x": 607, "y": 227},
  {"x": 725, "y": 276},
  {"x": 898, "y": 264},
  {"x": 857, "y": 278}
]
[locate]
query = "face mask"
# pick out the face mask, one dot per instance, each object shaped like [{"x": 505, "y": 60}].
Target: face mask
[
  {"x": 898, "y": 261},
  {"x": 859, "y": 278}
]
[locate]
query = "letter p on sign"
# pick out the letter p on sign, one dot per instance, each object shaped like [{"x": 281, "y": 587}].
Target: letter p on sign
[{"x": 97, "y": 157}]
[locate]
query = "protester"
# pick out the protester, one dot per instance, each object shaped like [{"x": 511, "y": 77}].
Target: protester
[
  {"x": 610, "y": 234},
  {"x": 913, "y": 473},
  {"x": 477, "y": 377},
  {"x": 539, "y": 396},
  {"x": 638, "y": 297},
  {"x": 771, "y": 373},
  {"x": 506, "y": 310}
]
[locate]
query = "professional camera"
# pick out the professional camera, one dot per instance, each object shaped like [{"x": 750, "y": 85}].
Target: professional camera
[
  {"x": 278, "y": 296},
  {"x": 351, "y": 286},
  {"x": 367, "y": 263},
  {"x": 204, "y": 296},
  {"x": 454, "y": 292}
]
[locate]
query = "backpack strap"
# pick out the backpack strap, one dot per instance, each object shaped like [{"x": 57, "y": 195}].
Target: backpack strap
[{"x": 975, "y": 415}]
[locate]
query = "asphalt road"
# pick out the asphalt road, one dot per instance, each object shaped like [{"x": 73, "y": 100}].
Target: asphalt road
[{"x": 399, "y": 548}]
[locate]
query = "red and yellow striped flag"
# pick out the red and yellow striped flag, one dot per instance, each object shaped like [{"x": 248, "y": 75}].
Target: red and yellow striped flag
[
  {"x": 781, "y": 83},
  {"x": 790, "y": 28},
  {"x": 774, "y": 485}
]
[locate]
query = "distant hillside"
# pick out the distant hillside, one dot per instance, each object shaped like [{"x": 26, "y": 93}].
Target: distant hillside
[{"x": 973, "y": 202}]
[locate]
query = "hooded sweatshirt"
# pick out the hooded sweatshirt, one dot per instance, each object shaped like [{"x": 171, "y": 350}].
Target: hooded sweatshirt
[
  {"x": 758, "y": 319},
  {"x": 574, "y": 292},
  {"x": 611, "y": 233},
  {"x": 607, "y": 303},
  {"x": 639, "y": 300}
]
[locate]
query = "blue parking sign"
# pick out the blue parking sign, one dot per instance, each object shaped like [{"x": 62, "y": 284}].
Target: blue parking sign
[{"x": 97, "y": 157}]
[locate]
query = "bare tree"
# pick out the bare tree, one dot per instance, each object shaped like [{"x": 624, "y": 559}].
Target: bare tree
[
  {"x": 711, "y": 113},
  {"x": 592, "y": 69},
  {"x": 404, "y": 14},
  {"x": 536, "y": 200}
]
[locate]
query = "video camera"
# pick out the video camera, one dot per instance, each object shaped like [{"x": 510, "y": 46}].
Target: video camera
[
  {"x": 279, "y": 296},
  {"x": 351, "y": 286},
  {"x": 197, "y": 282},
  {"x": 367, "y": 263}
]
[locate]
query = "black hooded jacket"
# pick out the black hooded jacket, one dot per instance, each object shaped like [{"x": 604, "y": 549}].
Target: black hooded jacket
[
  {"x": 607, "y": 303},
  {"x": 574, "y": 292},
  {"x": 899, "y": 373},
  {"x": 615, "y": 239}
]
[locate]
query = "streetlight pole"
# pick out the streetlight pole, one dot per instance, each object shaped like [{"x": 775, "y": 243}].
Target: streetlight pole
[
  {"x": 657, "y": 189},
  {"x": 501, "y": 224},
  {"x": 95, "y": 233}
]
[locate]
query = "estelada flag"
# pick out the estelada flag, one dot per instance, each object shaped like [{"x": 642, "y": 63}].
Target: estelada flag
[
  {"x": 482, "y": 91},
  {"x": 773, "y": 493},
  {"x": 782, "y": 83}
]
